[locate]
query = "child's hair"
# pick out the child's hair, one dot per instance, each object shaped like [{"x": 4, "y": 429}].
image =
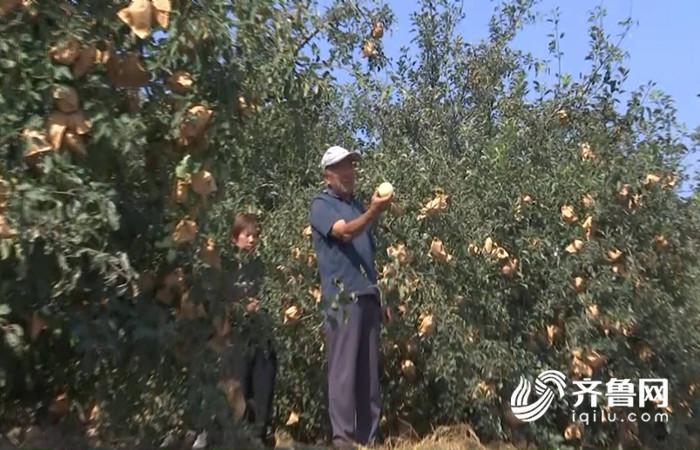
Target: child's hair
[{"x": 241, "y": 221}]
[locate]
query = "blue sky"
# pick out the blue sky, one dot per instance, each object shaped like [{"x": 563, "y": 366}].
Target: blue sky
[{"x": 662, "y": 44}]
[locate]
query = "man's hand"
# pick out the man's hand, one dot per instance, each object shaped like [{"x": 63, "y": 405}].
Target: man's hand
[
  {"x": 380, "y": 203},
  {"x": 386, "y": 315},
  {"x": 346, "y": 231}
]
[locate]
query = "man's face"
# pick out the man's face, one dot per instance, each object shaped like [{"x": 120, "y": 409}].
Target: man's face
[
  {"x": 247, "y": 239},
  {"x": 341, "y": 176}
]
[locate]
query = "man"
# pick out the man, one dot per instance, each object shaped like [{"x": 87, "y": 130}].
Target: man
[{"x": 342, "y": 239}]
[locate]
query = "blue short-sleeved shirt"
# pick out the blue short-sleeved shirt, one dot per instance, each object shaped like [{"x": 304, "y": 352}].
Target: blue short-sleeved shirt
[{"x": 350, "y": 263}]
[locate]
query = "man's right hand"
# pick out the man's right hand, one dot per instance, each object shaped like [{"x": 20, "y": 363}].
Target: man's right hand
[
  {"x": 381, "y": 203},
  {"x": 346, "y": 231}
]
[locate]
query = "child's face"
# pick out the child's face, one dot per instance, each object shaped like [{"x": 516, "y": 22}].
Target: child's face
[{"x": 247, "y": 239}]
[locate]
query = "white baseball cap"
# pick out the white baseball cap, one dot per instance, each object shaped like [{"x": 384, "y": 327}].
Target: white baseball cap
[{"x": 336, "y": 154}]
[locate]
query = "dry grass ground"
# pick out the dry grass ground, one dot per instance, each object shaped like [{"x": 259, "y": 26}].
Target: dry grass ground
[{"x": 458, "y": 437}]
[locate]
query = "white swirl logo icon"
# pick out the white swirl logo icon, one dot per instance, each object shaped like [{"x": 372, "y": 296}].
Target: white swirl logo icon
[{"x": 520, "y": 398}]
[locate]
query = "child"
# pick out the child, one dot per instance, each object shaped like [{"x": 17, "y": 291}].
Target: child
[{"x": 258, "y": 368}]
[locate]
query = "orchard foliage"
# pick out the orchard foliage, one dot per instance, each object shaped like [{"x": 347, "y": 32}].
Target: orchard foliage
[{"x": 535, "y": 227}]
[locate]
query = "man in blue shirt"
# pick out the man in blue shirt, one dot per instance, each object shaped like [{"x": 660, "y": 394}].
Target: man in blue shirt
[{"x": 344, "y": 245}]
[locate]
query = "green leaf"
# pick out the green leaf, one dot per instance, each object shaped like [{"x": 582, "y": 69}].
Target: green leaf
[
  {"x": 166, "y": 242},
  {"x": 183, "y": 168},
  {"x": 112, "y": 215},
  {"x": 7, "y": 64},
  {"x": 13, "y": 336},
  {"x": 62, "y": 73},
  {"x": 5, "y": 249}
]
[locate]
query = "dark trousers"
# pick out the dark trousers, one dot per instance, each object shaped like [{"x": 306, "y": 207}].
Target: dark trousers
[
  {"x": 259, "y": 385},
  {"x": 256, "y": 369},
  {"x": 354, "y": 395}
]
